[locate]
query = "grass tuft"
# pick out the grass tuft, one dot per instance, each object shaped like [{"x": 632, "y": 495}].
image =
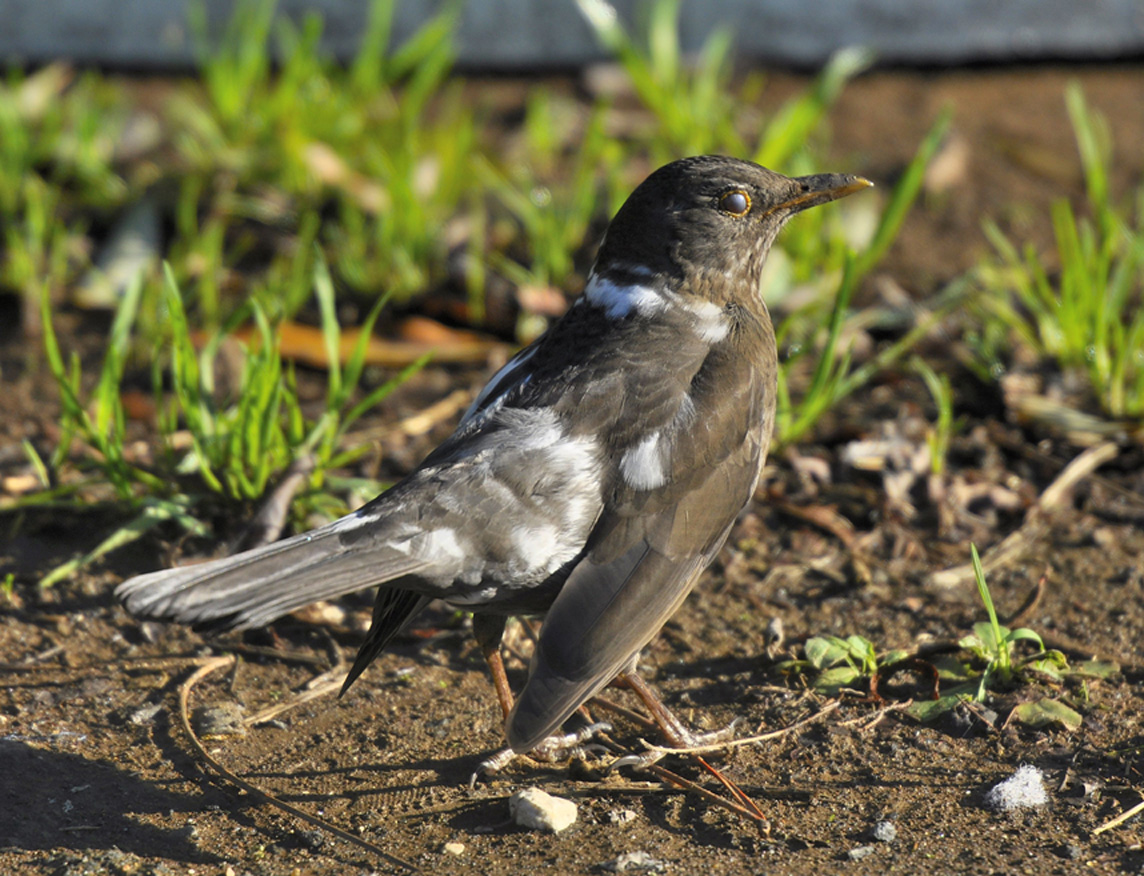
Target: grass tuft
[
  {"x": 217, "y": 446},
  {"x": 1086, "y": 315}
]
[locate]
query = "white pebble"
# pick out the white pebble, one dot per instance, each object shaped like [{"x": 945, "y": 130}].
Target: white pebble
[
  {"x": 621, "y": 816},
  {"x": 634, "y": 862},
  {"x": 1022, "y": 790},
  {"x": 885, "y": 832},
  {"x": 538, "y": 810}
]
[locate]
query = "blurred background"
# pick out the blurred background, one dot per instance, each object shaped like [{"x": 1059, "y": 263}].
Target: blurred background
[{"x": 528, "y": 37}]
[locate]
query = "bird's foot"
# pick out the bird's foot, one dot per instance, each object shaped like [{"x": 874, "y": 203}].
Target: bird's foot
[
  {"x": 569, "y": 745},
  {"x": 689, "y": 739},
  {"x": 684, "y": 741},
  {"x": 555, "y": 748}
]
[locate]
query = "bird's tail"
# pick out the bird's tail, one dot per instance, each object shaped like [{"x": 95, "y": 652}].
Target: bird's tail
[{"x": 257, "y": 586}]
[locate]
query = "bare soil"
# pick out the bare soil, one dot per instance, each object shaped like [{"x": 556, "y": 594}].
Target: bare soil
[{"x": 97, "y": 775}]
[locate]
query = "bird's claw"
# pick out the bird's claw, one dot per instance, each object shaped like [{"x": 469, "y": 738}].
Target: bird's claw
[
  {"x": 550, "y": 750},
  {"x": 638, "y": 761},
  {"x": 569, "y": 745},
  {"x": 686, "y": 741},
  {"x": 491, "y": 765}
]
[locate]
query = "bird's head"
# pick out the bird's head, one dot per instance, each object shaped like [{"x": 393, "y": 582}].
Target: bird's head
[{"x": 709, "y": 221}]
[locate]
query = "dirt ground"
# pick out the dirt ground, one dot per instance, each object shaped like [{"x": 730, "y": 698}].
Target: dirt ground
[{"x": 97, "y": 775}]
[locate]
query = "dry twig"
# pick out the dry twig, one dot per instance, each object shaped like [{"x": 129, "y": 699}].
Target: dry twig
[
  {"x": 1120, "y": 819},
  {"x": 747, "y": 740},
  {"x": 317, "y": 687},
  {"x": 1016, "y": 542},
  {"x": 213, "y": 665}
]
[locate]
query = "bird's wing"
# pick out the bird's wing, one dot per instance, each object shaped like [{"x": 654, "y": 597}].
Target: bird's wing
[
  {"x": 607, "y": 611},
  {"x": 427, "y": 527},
  {"x": 667, "y": 516}
]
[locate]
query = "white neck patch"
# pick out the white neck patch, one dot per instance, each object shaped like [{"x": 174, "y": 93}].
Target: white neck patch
[
  {"x": 711, "y": 323},
  {"x": 619, "y": 300}
]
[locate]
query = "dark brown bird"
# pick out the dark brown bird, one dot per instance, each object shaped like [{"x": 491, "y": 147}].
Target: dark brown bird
[{"x": 591, "y": 481}]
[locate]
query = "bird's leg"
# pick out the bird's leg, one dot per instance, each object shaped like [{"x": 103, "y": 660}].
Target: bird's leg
[
  {"x": 487, "y": 630},
  {"x": 680, "y": 736},
  {"x": 677, "y": 734}
]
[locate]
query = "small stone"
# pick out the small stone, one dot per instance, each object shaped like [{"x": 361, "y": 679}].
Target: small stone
[
  {"x": 454, "y": 848},
  {"x": 885, "y": 832},
  {"x": 539, "y": 810},
  {"x": 311, "y": 839},
  {"x": 1104, "y": 537},
  {"x": 621, "y": 816},
  {"x": 145, "y": 714},
  {"x": 857, "y": 854},
  {"x": 1025, "y": 789},
  {"x": 631, "y": 862},
  {"x": 222, "y": 719}
]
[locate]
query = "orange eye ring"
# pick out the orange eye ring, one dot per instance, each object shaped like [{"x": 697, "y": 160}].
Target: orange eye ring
[{"x": 736, "y": 202}]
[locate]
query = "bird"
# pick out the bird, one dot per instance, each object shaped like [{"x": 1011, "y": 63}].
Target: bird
[{"x": 590, "y": 482}]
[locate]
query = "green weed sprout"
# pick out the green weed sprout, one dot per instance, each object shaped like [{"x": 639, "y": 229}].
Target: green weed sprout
[
  {"x": 837, "y": 664},
  {"x": 691, "y": 103},
  {"x": 994, "y": 643},
  {"x": 937, "y": 436},
  {"x": 843, "y": 662},
  {"x": 694, "y": 107},
  {"x": 996, "y": 646},
  {"x": 381, "y": 149}
]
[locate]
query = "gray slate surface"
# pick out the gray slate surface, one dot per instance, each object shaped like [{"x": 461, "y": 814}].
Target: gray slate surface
[{"x": 533, "y": 34}]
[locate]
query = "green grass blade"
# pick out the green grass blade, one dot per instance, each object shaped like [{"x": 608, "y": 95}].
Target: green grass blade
[
  {"x": 155, "y": 513},
  {"x": 331, "y": 331},
  {"x": 791, "y": 127},
  {"x": 109, "y": 407}
]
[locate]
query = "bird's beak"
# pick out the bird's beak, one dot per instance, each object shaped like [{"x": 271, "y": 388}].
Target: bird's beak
[{"x": 820, "y": 188}]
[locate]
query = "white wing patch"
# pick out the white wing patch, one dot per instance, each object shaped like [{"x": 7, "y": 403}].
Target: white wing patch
[
  {"x": 539, "y": 548},
  {"x": 643, "y": 466},
  {"x": 619, "y": 301},
  {"x": 439, "y": 543}
]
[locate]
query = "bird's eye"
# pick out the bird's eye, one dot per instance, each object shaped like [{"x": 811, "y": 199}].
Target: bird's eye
[{"x": 736, "y": 202}]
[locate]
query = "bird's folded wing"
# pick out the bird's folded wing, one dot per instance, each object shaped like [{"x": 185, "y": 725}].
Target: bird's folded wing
[{"x": 608, "y": 610}]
